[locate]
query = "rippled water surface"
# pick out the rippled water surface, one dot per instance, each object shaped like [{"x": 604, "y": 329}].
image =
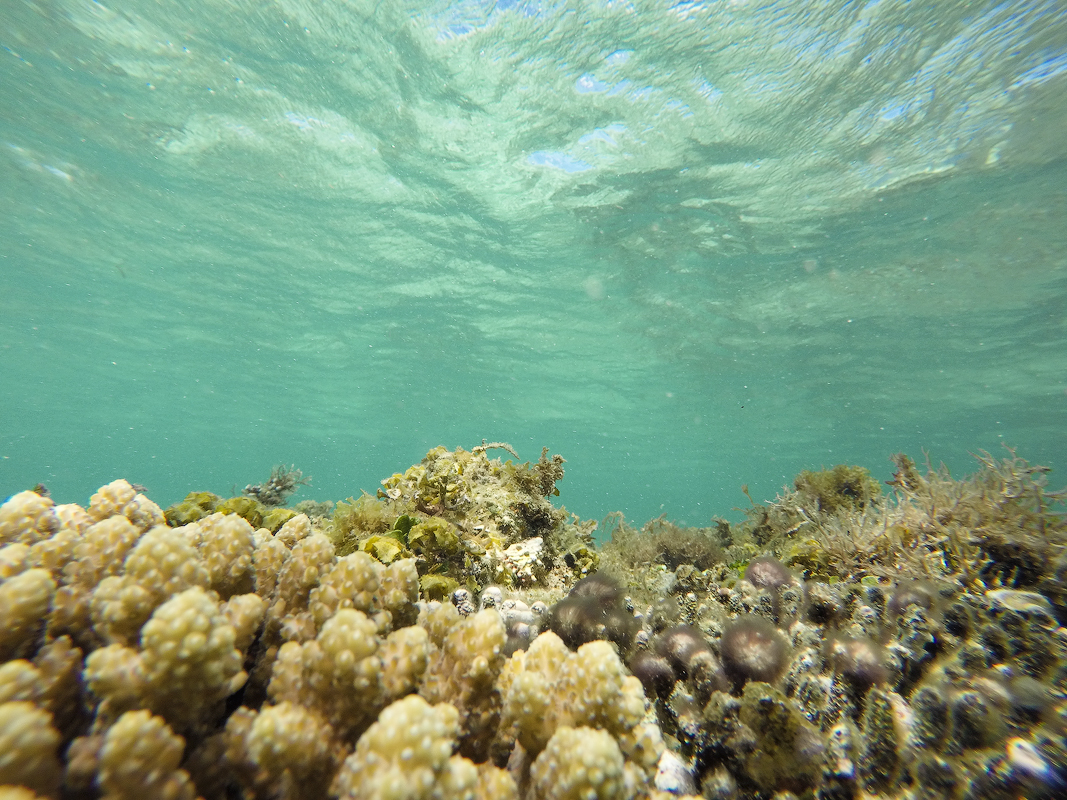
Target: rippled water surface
[{"x": 689, "y": 246}]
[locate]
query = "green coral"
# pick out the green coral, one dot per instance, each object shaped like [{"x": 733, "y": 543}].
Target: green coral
[
  {"x": 198, "y": 505},
  {"x": 195, "y": 506},
  {"x": 245, "y": 507},
  {"x": 274, "y": 518},
  {"x": 457, "y": 511},
  {"x": 434, "y": 537}
]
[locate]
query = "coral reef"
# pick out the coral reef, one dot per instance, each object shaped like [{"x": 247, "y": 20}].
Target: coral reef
[
  {"x": 469, "y": 520},
  {"x": 451, "y": 638}
]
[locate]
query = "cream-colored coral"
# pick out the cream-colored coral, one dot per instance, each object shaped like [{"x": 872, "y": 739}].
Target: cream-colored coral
[
  {"x": 144, "y": 513},
  {"x": 297, "y": 528},
  {"x": 55, "y": 553},
  {"x": 462, "y": 672},
  {"x": 226, "y": 545},
  {"x": 245, "y": 612},
  {"x": 407, "y": 754},
  {"x": 17, "y": 793},
  {"x": 343, "y": 671},
  {"x": 120, "y": 498},
  {"x": 287, "y": 674},
  {"x": 580, "y": 764},
  {"x": 101, "y": 551},
  {"x": 73, "y": 517},
  {"x": 165, "y": 563},
  {"x": 189, "y": 656},
  {"x": 268, "y": 559},
  {"x": 115, "y": 674},
  {"x": 310, "y": 560},
  {"x": 338, "y": 673},
  {"x": 399, "y": 591},
  {"x": 140, "y": 759},
  {"x": 162, "y": 563},
  {"x": 25, "y": 601},
  {"x": 60, "y": 667},
  {"x": 351, "y": 583},
  {"x": 27, "y": 517},
  {"x": 110, "y": 500},
  {"x": 548, "y": 687},
  {"x": 98, "y": 553},
  {"x": 293, "y": 747},
  {"x": 14, "y": 558},
  {"x": 119, "y": 607},
  {"x": 28, "y": 748},
  {"x": 404, "y": 657},
  {"x": 20, "y": 680},
  {"x": 438, "y": 619},
  {"x": 495, "y": 784},
  {"x": 470, "y": 657}
]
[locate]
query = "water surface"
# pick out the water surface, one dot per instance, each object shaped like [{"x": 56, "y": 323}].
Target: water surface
[{"x": 689, "y": 246}]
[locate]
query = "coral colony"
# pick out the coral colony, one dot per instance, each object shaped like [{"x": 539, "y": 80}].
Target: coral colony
[{"x": 456, "y": 635}]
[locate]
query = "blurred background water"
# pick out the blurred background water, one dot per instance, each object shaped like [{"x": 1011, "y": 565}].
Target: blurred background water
[{"x": 689, "y": 246}]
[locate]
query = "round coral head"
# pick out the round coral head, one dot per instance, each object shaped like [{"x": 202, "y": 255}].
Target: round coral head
[{"x": 752, "y": 649}]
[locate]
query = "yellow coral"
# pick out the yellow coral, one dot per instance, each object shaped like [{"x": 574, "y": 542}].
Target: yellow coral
[
  {"x": 26, "y": 518},
  {"x": 115, "y": 674},
  {"x": 343, "y": 672},
  {"x": 293, "y": 531},
  {"x": 110, "y": 500},
  {"x": 73, "y": 517},
  {"x": 17, "y": 793},
  {"x": 140, "y": 759},
  {"x": 14, "y": 558},
  {"x": 309, "y": 561},
  {"x": 245, "y": 612},
  {"x": 25, "y": 601},
  {"x": 226, "y": 546},
  {"x": 189, "y": 656},
  {"x": 404, "y": 656},
  {"x": 400, "y": 590},
  {"x": 407, "y": 754},
  {"x": 28, "y": 748},
  {"x": 20, "y": 680},
  {"x": 162, "y": 563},
  {"x": 101, "y": 551},
  {"x": 549, "y": 687},
  {"x": 581, "y": 764},
  {"x": 56, "y": 553},
  {"x": 351, "y": 583},
  {"x": 268, "y": 559},
  {"x": 292, "y": 746}
]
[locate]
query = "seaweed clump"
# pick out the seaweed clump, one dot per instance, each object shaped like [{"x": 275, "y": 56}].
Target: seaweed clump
[
  {"x": 470, "y": 521},
  {"x": 279, "y": 487},
  {"x": 843, "y": 487},
  {"x": 661, "y": 541},
  {"x": 198, "y": 505},
  {"x": 997, "y": 527}
]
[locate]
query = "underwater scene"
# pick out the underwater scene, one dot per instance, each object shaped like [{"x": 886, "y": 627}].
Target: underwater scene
[{"x": 561, "y": 400}]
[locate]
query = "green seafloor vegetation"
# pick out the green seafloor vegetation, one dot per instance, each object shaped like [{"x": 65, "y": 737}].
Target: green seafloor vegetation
[{"x": 460, "y": 635}]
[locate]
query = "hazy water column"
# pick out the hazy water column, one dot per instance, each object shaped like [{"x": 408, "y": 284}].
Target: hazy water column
[{"x": 687, "y": 246}]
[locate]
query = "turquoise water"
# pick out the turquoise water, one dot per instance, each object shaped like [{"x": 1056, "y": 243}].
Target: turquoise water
[{"x": 688, "y": 246}]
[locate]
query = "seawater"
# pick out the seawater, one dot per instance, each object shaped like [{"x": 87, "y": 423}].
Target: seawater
[{"x": 689, "y": 246}]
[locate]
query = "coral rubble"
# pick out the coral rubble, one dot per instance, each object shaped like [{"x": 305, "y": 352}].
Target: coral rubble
[{"x": 451, "y": 637}]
